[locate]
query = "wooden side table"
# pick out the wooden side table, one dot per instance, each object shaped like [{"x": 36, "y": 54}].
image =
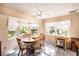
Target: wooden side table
[{"x": 62, "y": 41}]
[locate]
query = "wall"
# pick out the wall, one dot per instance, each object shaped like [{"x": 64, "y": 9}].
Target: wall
[
  {"x": 41, "y": 24},
  {"x": 3, "y": 32},
  {"x": 74, "y": 29}
]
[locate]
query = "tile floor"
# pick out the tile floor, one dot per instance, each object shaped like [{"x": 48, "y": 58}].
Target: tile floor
[{"x": 50, "y": 50}]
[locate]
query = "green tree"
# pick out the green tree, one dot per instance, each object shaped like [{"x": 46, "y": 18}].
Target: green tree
[{"x": 52, "y": 30}]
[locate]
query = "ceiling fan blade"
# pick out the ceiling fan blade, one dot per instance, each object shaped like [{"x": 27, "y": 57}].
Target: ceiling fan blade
[{"x": 39, "y": 13}]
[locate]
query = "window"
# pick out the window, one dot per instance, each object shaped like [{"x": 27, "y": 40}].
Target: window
[
  {"x": 29, "y": 27},
  {"x": 12, "y": 25},
  {"x": 50, "y": 28},
  {"x": 63, "y": 28},
  {"x": 17, "y": 27},
  {"x": 34, "y": 28},
  {"x": 58, "y": 28},
  {"x": 23, "y": 27}
]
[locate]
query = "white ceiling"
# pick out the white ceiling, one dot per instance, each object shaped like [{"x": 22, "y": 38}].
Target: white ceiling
[{"x": 48, "y": 10}]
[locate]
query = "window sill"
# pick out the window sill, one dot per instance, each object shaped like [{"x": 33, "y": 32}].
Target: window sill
[
  {"x": 59, "y": 36},
  {"x": 11, "y": 38},
  {"x": 15, "y": 37}
]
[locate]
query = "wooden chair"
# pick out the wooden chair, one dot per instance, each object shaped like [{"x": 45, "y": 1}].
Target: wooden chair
[
  {"x": 22, "y": 46},
  {"x": 38, "y": 47},
  {"x": 42, "y": 38}
]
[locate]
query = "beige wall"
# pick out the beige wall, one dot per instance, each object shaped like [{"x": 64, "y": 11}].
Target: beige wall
[
  {"x": 41, "y": 24},
  {"x": 3, "y": 32},
  {"x": 74, "y": 29}
]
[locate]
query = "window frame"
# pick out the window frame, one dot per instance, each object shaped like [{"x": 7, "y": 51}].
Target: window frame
[{"x": 47, "y": 26}]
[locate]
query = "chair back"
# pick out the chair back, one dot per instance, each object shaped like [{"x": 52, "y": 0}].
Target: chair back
[
  {"x": 42, "y": 36},
  {"x": 20, "y": 43},
  {"x": 38, "y": 44}
]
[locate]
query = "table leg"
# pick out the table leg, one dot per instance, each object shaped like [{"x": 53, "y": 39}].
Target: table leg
[{"x": 77, "y": 52}]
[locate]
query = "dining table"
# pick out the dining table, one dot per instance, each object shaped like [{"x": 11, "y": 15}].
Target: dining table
[{"x": 30, "y": 42}]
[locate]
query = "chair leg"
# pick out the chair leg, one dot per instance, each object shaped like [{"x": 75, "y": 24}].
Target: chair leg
[
  {"x": 41, "y": 49},
  {"x": 26, "y": 51},
  {"x": 77, "y": 52},
  {"x": 19, "y": 53}
]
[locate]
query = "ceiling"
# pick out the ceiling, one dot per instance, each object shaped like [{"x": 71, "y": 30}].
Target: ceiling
[{"x": 47, "y": 10}]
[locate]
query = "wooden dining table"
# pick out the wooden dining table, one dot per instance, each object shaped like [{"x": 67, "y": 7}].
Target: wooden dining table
[{"x": 30, "y": 42}]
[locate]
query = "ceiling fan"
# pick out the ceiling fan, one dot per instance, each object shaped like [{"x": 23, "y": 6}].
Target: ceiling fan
[{"x": 37, "y": 13}]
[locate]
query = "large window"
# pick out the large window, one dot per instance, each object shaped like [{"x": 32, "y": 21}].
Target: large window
[
  {"x": 58, "y": 28},
  {"x": 23, "y": 27},
  {"x": 17, "y": 27},
  {"x": 29, "y": 27},
  {"x": 34, "y": 28},
  {"x": 50, "y": 28},
  {"x": 12, "y": 25}
]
